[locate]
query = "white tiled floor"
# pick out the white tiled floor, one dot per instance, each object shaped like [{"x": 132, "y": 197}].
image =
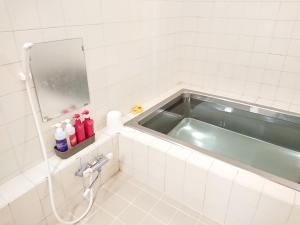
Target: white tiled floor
[{"x": 125, "y": 201}]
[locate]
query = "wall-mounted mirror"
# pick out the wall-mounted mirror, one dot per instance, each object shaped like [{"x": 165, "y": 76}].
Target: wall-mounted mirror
[{"x": 60, "y": 78}]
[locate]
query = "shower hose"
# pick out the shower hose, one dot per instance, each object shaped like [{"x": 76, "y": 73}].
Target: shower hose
[{"x": 88, "y": 192}]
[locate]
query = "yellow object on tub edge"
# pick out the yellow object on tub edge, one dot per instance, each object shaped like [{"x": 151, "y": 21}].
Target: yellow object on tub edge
[{"x": 137, "y": 109}]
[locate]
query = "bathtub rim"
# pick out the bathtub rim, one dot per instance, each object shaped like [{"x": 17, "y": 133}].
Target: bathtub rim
[{"x": 264, "y": 110}]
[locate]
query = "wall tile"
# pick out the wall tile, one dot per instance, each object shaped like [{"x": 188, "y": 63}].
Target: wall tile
[
  {"x": 261, "y": 40},
  {"x": 93, "y": 11},
  {"x": 5, "y": 24},
  {"x": 265, "y": 28},
  {"x": 244, "y": 198},
  {"x": 8, "y": 48},
  {"x": 276, "y": 200},
  {"x": 22, "y": 37},
  {"x": 24, "y": 14},
  {"x": 5, "y": 215},
  {"x": 195, "y": 179},
  {"x": 157, "y": 150},
  {"x": 20, "y": 212},
  {"x": 21, "y": 108},
  {"x": 10, "y": 73},
  {"x": 51, "y": 13},
  {"x": 295, "y": 214},
  {"x": 93, "y": 36},
  {"x": 296, "y": 32},
  {"x": 6, "y": 142},
  {"x": 269, "y": 10},
  {"x": 292, "y": 64},
  {"x": 126, "y": 149},
  {"x": 216, "y": 199},
  {"x": 294, "y": 48},
  {"x": 73, "y": 13},
  {"x": 289, "y": 11},
  {"x": 28, "y": 154},
  {"x": 140, "y": 156},
  {"x": 279, "y": 46},
  {"x": 175, "y": 170},
  {"x": 115, "y": 10},
  {"x": 10, "y": 190},
  {"x": 8, "y": 164},
  {"x": 275, "y": 62},
  {"x": 22, "y": 130},
  {"x": 283, "y": 29},
  {"x": 53, "y": 34},
  {"x": 262, "y": 44}
]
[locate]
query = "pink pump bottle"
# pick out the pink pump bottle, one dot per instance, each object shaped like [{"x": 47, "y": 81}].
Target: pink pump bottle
[
  {"x": 79, "y": 128},
  {"x": 88, "y": 124}
]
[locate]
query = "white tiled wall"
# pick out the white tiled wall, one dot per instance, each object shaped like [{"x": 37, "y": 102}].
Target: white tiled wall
[
  {"x": 130, "y": 49},
  {"x": 244, "y": 49},
  {"x": 222, "y": 193}
]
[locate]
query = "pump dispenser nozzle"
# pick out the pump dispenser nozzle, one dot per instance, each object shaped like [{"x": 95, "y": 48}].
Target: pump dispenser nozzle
[{"x": 67, "y": 121}]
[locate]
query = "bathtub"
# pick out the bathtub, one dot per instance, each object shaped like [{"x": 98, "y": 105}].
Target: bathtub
[{"x": 259, "y": 139}]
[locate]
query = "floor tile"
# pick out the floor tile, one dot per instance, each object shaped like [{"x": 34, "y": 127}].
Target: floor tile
[
  {"x": 163, "y": 211},
  {"x": 200, "y": 223},
  {"x": 182, "y": 219},
  {"x": 78, "y": 205},
  {"x": 182, "y": 207},
  {"x": 78, "y": 210},
  {"x": 118, "y": 222},
  {"x": 145, "y": 201},
  {"x": 102, "y": 195},
  {"x": 116, "y": 182},
  {"x": 132, "y": 216},
  {"x": 128, "y": 191},
  {"x": 100, "y": 218},
  {"x": 51, "y": 220},
  {"x": 124, "y": 201},
  {"x": 150, "y": 220},
  {"x": 114, "y": 205},
  {"x": 146, "y": 188}
]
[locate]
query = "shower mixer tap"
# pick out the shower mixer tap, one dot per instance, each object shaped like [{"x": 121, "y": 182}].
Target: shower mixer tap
[
  {"x": 95, "y": 165},
  {"x": 89, "y": 168}
]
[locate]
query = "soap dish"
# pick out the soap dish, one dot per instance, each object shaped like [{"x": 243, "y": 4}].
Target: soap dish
[{"x": 72, "y": 151}]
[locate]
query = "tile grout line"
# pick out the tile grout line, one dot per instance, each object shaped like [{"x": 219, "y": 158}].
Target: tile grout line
[
  {"x": 150, "y": 210},
  {"x": 230, "y": 196},
  {"x": 258, "y": 203},
  {"x": 161, "y": 199},
  {"x": 291, "y": 210},
  {"x": 130, "y": 203},
  {"x": 205, "y": 186},
  {"x": 168, "y": 203}
]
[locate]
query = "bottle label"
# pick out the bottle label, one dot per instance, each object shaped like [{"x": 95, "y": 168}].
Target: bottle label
[
  {"x": 73, "y": 140},
  {"x": 89, "y": 128},
  {"x": 62, "y": 145},
  {"x": 80, "y": 134}
]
